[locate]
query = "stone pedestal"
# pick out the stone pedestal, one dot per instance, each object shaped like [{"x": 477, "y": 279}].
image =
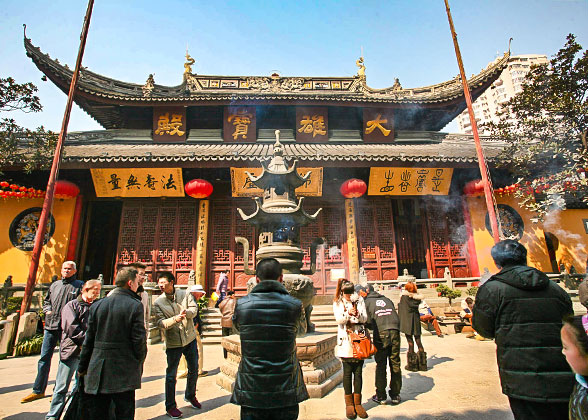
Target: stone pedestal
[{"x": 321, "y": 369}]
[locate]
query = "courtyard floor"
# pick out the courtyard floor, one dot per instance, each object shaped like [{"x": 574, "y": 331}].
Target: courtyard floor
[{"x": 461, "y": 383}]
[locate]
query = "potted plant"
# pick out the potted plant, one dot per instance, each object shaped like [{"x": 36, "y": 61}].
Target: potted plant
[{"x": 450, "y": 294}]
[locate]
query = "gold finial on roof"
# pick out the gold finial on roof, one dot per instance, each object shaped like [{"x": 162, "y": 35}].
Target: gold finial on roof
[
  {"x": 188, "y": 63},
  {"x": 361, "y": 66}
]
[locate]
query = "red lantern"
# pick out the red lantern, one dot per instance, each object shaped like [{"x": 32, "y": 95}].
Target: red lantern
[
  {"x": 198, "y": 188},
  {"x": 353, "y": 188},
  {"x": 66, "y": 189}
]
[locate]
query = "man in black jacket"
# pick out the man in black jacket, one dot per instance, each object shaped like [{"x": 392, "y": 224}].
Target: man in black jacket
[
  {"x": 383, "y": 320},
  {"x": 74, "y": 323},
  {"x": 114, "y": 349},
  {"x": 60, "y": 292},
  {"x": 523, "y": 310},
  {"x": 269, "y": 383}
]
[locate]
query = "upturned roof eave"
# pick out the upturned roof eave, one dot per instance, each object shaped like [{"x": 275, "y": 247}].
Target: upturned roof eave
[{"x": 101, "y": 88}]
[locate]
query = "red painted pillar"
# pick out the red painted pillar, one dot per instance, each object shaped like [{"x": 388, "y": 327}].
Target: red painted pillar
[
  {"x": 472, "y": 256},
  {"x": 75, "y": 230}
]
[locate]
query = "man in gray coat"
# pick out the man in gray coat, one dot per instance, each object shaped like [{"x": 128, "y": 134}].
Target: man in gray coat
[
  {"x": 174, "y": 312},
  {"x": 114, "y": 350},
  {"x": 60, "y": 292}
]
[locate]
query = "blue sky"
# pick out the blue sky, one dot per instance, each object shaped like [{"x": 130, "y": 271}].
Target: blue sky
[{"x": 407, "y": 39}]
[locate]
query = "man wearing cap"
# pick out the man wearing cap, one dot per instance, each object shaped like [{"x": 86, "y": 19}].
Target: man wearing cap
[
  {"x": 174, "y": 313},
  {"x": 383, "y": 320},
  {"x": 197, "y": 293}
]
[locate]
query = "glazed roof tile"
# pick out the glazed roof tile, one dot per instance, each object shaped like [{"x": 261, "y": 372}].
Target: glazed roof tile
[
  {"x": 100, "y": 95},
  {"x": 452, "y": 149}
]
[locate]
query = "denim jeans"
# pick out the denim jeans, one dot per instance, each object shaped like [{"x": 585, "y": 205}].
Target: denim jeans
[
  {"x": 190, "y": 352},
  {"x": 50, "y": 340},
  {"x": 65, "y": 372}
]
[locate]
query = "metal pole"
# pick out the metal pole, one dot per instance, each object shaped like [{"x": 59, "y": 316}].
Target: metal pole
[
  {"x": 48, "y": 203},
  {"x": 488, "y": 190}
]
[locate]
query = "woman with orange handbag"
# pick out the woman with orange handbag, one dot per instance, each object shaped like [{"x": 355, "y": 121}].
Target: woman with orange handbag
[{"x": 350, "y": 314}]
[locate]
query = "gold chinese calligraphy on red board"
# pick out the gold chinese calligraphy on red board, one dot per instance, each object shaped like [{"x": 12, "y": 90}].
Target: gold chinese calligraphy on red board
[
  {"x": 239, "y": 124},
  {"x": 169, "y": 124},
  {"x": 378, "y": 125},
  {"x": 138, "y": 182},
  {"x": 312, "y": 124},
  {"x": 409, "y": 181},
  {"x": 241, "y": 185}
]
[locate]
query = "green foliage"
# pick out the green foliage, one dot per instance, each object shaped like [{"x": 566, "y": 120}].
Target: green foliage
[
  {"x": 448, "y": 292},
  {"x": 472, "y": 291},
  {"x": 29, "y": 346},
  {"x": 12, "y": 305},
  {"x": 545, "y": 125},
  {"x": 202, "y": 303},
  {"x": 19, "y": 146}
]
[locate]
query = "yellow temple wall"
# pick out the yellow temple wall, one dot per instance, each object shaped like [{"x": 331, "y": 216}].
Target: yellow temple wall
[
  {"x": 14, "y": 261},
  {"x": 568, "y": 227},
  {"x": 533, "y": 236}
]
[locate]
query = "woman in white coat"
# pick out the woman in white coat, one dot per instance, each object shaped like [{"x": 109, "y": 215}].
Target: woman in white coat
[{"x": 349, "y": 310}]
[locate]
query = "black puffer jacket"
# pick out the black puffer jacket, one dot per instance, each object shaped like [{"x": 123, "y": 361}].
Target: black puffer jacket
[
  {"x": 523, "y": 310},
  {"x": 60, "y": 292},
  {"x": 269, "y": 374}
]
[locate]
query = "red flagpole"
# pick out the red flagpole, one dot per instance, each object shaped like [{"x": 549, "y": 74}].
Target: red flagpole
[
  {"x": 48, "y": 203},
  {"x": 488, "y": 190}
]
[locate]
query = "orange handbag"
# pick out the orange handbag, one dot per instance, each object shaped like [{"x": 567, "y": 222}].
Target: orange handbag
[{"x": 362, "y": 346}]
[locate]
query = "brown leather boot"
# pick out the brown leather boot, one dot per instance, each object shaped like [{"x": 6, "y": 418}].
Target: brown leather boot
[
  {"x": 358, "y": 407},
  {"x": 412, "y": 362},
  {"x": 422, "y": 361},
  {"x": 349, "y": 407}
]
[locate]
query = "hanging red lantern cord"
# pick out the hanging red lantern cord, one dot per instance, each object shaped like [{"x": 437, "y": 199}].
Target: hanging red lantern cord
[
  {"x": 353, "y": 188},
  {"x": 198, "y": 188}
]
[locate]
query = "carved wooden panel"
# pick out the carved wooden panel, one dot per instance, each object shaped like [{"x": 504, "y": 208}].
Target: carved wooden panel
[
  {"x": 330, "y": 224},
  {"x": 160, "y": 235},
  {"x": 225, "y": 224},
  {"x": 375, "y": 227},
  {"x": 447, "y": 239}
]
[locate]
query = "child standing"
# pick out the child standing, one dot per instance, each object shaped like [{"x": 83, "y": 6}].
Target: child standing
[{"x": 574, "y": 338}]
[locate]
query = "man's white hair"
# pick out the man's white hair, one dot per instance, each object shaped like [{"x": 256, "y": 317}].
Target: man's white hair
[{"x": 70, "y": 262}]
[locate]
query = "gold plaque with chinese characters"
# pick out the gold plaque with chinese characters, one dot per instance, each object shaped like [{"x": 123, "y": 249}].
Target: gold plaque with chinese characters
[
  {"x": 138, "y": 182},
  {"x": 169, "y": 124},
  {"x": 241, "y": 186},
  {"x": 378, "y": 125},
  {"x": 409, "y": 181},
  {"x": 312, "y": 124},
  {"x": 239, "y": 124}
]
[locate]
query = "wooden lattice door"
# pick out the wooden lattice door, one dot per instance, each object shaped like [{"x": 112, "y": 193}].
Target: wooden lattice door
[
  {"x": 159, "y": 234},
  {"x": 225, "y": 225},
  {"x": 375, "y": 229},
  {"x": 330, "y": 224},
  {"x": 447, "y": 238}
]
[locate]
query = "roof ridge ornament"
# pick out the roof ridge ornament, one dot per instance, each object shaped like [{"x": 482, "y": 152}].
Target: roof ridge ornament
[
  {"x": 188, "y": 64},
  {"x": 361, "y": 67},
  {"x": 148, "y": 86}
]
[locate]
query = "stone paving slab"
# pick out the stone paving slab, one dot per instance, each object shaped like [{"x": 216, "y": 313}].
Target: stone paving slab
[{"x": 461, "y": 384}]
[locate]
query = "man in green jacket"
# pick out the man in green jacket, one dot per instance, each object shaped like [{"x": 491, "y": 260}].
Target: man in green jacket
[
  {"x": 174, "y": 313},
  {"x": 523, "y": 310}
]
